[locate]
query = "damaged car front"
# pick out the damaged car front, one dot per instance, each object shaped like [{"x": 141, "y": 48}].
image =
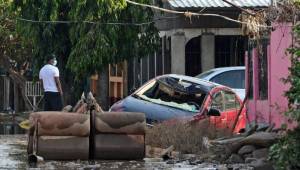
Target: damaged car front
[
  {"x": 166, "y": 97},
  {"x": 177, "y": 97}
]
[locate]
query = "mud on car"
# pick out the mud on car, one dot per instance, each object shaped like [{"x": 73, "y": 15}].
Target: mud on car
[{"x": 174, "y": 96}]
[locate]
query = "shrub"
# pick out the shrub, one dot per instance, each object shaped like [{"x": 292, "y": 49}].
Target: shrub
[{"x": 286, "y": 153}]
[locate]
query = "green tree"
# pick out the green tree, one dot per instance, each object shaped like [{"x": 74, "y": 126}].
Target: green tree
[
  {"x": 15, "y": 51},
  {"x": 84, "y": 48},
  {"x": 293, "y": 79},
  {"x": 12, "y": 47}
]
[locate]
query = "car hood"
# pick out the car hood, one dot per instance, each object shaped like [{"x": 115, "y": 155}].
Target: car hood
[{"x": 153, "y": 111}]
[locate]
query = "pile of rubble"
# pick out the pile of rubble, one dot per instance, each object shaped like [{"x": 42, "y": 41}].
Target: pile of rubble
[
  {"x": 84, "y": 105},
  {"x": 250, "y": 148}
]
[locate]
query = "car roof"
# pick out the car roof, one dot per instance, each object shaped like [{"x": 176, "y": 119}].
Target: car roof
[
  {"x": 215, "y": 71},
  {"x": 228, "y": 68},
  {"x": 206, "y": 86}
]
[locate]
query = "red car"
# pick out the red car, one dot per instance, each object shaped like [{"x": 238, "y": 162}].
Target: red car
[{"x": 174, "y": 96}]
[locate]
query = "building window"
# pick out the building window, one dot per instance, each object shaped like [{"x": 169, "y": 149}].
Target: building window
[
  {"x": 193, "y": 57},
  {"x": 140, "y": 70},
  {"x": 229, "y": 51},
  {"x": 250, "y": 70},
  {"x": 263, "y": 69},
  {"x": 167, "y": 54},
  {"x": 159, "y": 59}
]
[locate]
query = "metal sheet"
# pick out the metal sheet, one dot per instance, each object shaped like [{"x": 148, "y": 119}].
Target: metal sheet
[
  {"x": 119, "y": 147},
  {"x": 217, "y": 3},
  {"x": 63, "y": 147}
]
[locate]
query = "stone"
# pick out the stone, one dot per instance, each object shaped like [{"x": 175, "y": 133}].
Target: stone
[
  {"x": 250, "y": 155},
  {"x": 249, "y": 160},
  {"x": 246, "y": 149},
  {"x": 261, "y": 153},
  {"x": 261, "y": 164},
  {"x": 263, "y": 139},
  {"x": 235, "y": 158}
]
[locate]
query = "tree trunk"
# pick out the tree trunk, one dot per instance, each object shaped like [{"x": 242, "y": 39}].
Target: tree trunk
[{"x": 20, "y": 81}]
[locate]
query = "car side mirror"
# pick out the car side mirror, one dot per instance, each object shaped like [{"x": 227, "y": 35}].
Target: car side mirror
[{"x": 214, "y": 112}]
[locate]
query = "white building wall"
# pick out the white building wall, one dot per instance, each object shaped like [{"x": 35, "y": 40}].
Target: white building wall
[
  {"x": 207, "y": 51},
  {"x": 178, "y": 53}
]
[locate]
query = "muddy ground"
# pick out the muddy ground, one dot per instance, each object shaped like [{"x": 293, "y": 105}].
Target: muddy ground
[{"x": 13, "y": 156}]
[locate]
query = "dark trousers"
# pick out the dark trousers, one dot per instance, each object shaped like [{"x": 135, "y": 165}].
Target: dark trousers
[{"x": 53, "y": 101}]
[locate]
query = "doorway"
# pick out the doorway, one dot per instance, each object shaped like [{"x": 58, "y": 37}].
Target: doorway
[{"x": 193, "y": 57}]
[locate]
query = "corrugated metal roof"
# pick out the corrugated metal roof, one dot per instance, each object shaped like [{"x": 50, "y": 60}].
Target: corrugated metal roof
[{"x": 217, "y": 3}]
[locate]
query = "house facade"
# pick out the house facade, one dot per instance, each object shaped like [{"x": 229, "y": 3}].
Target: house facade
[
  {"x": 192, "y": 45},
  {"x": 188, "y": 45},
  {"x": 266, "y": 70}
]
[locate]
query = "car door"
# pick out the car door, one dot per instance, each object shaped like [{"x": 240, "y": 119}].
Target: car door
[
  {"x": 217, "y": 102},
  {"x": 232, "y": 105}
]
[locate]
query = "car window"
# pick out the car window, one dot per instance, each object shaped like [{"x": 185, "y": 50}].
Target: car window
[
  {"x": 230, "y": 100},
  {"x": 217, "y": 101},
  {"x": 205, "y": 74},
  {"x": 173, "y": 92},
  {"x": 233, "y": 79}
]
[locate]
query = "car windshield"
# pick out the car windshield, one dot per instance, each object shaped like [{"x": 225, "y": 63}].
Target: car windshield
[
  {"x": 175, "y": 93},
  {"x": 205, "y": 74}
]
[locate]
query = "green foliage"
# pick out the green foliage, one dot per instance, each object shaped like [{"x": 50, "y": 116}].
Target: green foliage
[
  {"x": 286, "y": 153},
  {"x": 12, "y": 46},
  {"x": 84, "y": 47},
  {"x": 109, "y": 43},
  {"x": 293, "y": 79},
  {"x": 45, "y": 38}
]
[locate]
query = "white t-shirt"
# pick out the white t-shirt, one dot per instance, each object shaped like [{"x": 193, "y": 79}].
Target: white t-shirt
[{"x": 47, "y": 74}]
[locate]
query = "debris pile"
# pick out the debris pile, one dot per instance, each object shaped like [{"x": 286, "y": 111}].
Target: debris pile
[
  {"x": 84, "y": 105},
  {"x": 251, "y": 148}
]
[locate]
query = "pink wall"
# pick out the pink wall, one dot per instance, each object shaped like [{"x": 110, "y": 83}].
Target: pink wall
[{"x": 270, "y": 110}]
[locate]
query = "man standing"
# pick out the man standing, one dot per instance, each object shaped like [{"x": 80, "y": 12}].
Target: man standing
[{"x": 49, "y": 76}]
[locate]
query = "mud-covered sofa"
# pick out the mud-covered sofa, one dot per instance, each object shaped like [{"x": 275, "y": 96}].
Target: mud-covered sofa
[
  {"x": 59, "y": 135},
  {"x": 118, "y": 135},
  {"x": 72, "y": 136}
]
